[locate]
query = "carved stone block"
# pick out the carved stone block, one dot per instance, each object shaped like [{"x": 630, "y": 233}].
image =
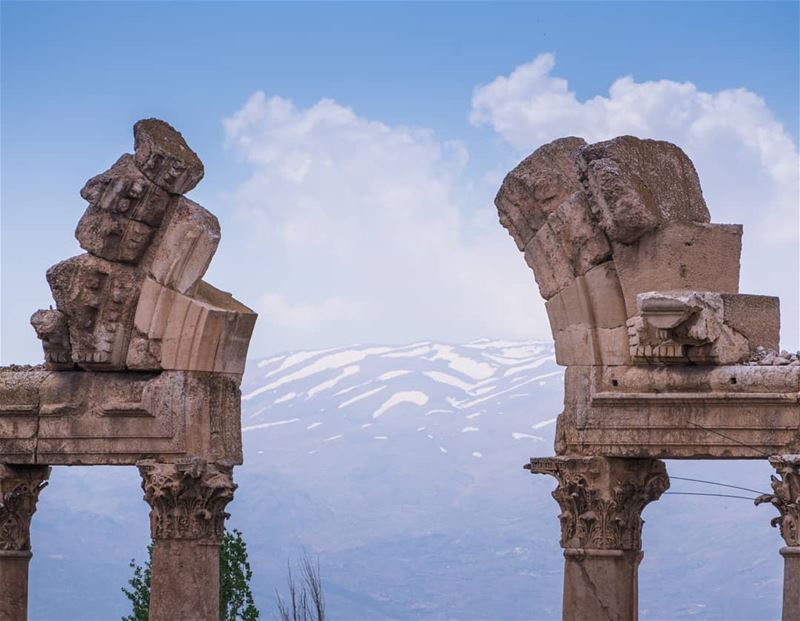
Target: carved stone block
[
  {"x": 602, "y": 500},
  {"x": 185, "y": 246},
  {"x": 98, "y": 298},
  {"x": 111, "y": 236},
  {"x": 187, "y": 498},
  {"x": 164, "y": 157},
  {"x": 125, "y": 191},
  {"x": 19, "y": 491},
  {"x": 52, "y": 329}
]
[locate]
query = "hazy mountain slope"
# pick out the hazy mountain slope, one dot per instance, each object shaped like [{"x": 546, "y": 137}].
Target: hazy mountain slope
[{"x": 402, "y": 468}]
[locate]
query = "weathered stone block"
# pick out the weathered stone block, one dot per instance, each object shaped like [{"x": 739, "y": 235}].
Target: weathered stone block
[
  {"x": 582, "y": 240},
  {"x": 52, "y": 329},
  {"x": 594, "y": 300},
  {"x": 185, "y": 246},
  {"x": 636, "y": 185},
  {"x": 164, "y": 157},
  {"x": 111, "y": 236},
  {"x": 99, "y": 300},
  {"x": 537, "y": 186},
  {"x": 680, "y": 256},
  {"x": 551, "y": 266},
  {"x": 124, "y": 190},
  {"x": 580, "y": 345},
  {"x": 208, "y": 332},
  {"x": 756, "y": 317}
]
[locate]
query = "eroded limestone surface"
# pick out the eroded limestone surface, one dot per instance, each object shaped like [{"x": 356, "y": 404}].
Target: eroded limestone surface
[
  {"x": 143, "y": 359},
  {"x": 642, "y": 290}
]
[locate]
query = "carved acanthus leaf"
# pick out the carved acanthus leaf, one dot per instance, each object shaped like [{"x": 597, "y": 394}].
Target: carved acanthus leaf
[
  {"x": 601, "y": 499},
  {"x": 785, "y": 497},
  {"x": 19, "y": 490},
  {"x": 187, "y": 499}
]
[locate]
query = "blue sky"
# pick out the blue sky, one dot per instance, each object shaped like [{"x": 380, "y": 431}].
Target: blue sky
[{"x": 343, "y": 255}]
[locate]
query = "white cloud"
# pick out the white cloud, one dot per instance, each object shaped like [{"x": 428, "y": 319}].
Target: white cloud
[
  {"x": 747, "y": 162},
  {"x": 360, "y": 231}
]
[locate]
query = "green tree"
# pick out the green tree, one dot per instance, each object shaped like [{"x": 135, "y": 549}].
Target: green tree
[{"x": 235, "y": 597}]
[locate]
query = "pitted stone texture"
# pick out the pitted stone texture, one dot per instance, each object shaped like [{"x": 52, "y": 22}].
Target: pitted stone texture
[
  {"x": 583, "y": 241},
  {"x": 111, "y": 236},
  {"x": 52, "y": 329},
  {"x": 680, "y": 256},
  {"x": 124, "y": 190},
  {"x": 537, "y": 186},
  {"x": 164, "y": 157},
  {"x": 636, "y": 185},
  {"x": 756, "y": 317},
  {"x": 185, "y": 247},
  {"x": 98, "y": 298}
]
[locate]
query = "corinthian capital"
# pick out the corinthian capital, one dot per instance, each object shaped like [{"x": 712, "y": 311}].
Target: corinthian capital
[
  {"x": 602, "y": 499},
  {"x": 785, "y": 497},
  {"x": 187, "y": 499},
  {"x": 19, "y": 491}
]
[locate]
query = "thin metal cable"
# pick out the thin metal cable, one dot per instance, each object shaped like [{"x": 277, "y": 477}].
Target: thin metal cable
[
  {"x": 703, "y": 494},
  {"x": 745, "y": 489}
]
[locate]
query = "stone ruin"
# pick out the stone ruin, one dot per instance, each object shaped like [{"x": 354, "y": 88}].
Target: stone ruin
[
  {"x": 664, "y": 357},
  {"x": 143, "y": 362}
]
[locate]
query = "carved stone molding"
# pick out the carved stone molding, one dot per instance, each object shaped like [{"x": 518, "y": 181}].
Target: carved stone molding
[
  {"x": 785, "y": 497},
  {"x": 187, "y": 499},
  {"x": 19, "y": 491},
  {"x": 602, "y": 499}
]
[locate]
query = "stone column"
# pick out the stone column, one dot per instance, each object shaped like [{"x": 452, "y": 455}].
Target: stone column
[
  {"x": 19, "y": 491},
  {"x": 187, "y": 521},
  {"x": 786, "y": 498},
  {"x": 601, "y": 501}
]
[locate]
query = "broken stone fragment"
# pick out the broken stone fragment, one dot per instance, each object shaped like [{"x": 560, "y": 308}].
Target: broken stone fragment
[
  {"x": 583, "y": 241},
  {"x": 51, "y": 327},
  {"x": 537, "y": 186},
  {"x": 111, "y": 236},
  {"x": 184, "y": 247},
  {"x": 164, "y": 157},
  {"x": 209, "y": 331},
  {"x": 124, "y": 190},
  {"x": 635, "y": 185},
  {"x": 98, "y": 298},
  {"x": 691, "y": 318}
]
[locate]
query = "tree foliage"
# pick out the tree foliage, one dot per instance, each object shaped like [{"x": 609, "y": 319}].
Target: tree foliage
[{"x": 235, "y": 597}]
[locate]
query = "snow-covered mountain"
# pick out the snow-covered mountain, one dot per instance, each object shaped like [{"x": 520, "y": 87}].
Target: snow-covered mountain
[
  {"x": 473, "y": 399},
  {"x": 401, "y": 467}
]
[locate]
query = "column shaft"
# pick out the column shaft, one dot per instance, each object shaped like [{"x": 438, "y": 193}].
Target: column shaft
[
  {"x": 19, "y": 491},
  {"x": 187, "y": 523},
  {"x": 601, "y": 501}
]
